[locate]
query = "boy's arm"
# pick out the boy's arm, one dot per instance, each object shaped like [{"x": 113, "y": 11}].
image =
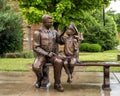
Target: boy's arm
[{"x": 79, "y": 37}]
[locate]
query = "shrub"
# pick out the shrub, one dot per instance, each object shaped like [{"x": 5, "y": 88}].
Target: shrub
[
  {"x": 90, "y": 47},
  {"x": 24, "y": 54},
  {"x": 97, "y": 33},
  {"x": 94, "y": 48},
  {"x": 84, "y": 46},
  {"x": 13, "y": 55},
  {"x": 11, "y": 33},
  {"x": 27, "y": 54}
]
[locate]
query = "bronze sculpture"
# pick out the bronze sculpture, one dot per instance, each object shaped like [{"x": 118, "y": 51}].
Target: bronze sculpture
[
  {"x": 45, "y": 47},
  {"x": 45, "y": 42},
  {"x": 71, "y": 49}
]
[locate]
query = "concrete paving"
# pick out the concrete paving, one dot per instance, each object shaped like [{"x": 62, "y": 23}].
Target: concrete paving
[{"x": 83, "y": 84}]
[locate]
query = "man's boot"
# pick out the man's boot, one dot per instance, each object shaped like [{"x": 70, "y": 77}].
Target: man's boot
[
  {"x": 45, "y": 80},
  {"x": 39, "y": 78},
  {"x": 59, "y": 87},
  {"x": 38, "y": 82}
]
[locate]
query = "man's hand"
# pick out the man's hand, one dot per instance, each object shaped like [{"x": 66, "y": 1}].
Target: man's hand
[{"x": 50, "y": 54}]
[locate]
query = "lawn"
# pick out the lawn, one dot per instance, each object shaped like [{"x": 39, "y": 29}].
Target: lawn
[
  {"x": 23, "y": 64},
  {"x": 15, "y": 64},
  {"x": 101, "y": 56},
  {"x": 98, "y": 56}
]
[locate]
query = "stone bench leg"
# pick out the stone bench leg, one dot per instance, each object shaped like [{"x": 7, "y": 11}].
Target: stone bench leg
[{"x": 106, "y": 79}]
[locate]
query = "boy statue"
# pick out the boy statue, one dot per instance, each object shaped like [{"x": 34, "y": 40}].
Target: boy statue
[{"x": 71, "y": 49}]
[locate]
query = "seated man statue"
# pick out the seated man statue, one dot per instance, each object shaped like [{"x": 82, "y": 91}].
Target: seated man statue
[{"x": 44, "y": 47}]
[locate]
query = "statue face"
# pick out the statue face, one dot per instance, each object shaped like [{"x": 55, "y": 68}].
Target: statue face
[
  {"x": 48, "y": 23},
  {"x": 70, "y": 32}
]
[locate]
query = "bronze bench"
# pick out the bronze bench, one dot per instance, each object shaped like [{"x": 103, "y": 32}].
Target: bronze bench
[{"x": 106, "y": 70}]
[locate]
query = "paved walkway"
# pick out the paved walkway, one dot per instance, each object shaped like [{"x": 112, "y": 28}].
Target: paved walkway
[{"x": 84, "y": 84}]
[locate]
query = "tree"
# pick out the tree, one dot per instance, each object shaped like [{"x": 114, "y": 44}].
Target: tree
[
  {"x": 11, "y": 34},
  {"x": 62, "y": 11},
  {"x": 96, "y": 32},
  {"x": 81, "y": 12},
  {"x": 117, "y": 20}
]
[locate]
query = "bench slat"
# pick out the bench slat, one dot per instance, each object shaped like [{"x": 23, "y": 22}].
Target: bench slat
[{"x": 115, "y": 64}]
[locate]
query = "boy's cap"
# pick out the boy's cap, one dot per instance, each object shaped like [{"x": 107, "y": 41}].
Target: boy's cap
[{"x": 73, "y": 27}]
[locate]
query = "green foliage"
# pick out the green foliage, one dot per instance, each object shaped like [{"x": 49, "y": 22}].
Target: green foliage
[
  {"x": 23, "y": 54},
  {"x": 27, "y": 54},
  {"x": 90, "y": 47},
  {"x": 62, "y": 11},
  {"x": 95, "y": 48},
  {"x": 11, "y": 34},
  {"x": 84, "y": 47},
  {"x": 82, "y": 12},
  {"x": 96, "y": 32},
  {"x": 117, "y": 20}
]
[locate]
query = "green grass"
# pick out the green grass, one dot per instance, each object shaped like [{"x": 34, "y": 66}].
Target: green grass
[
  {"x": 101, "y": 56},
  {"x": 16, "y": 64},
  {"x": 21, "y": 64}
]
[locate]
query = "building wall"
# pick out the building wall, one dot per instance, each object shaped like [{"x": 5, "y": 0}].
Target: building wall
[{"x": 33, "y": 28}]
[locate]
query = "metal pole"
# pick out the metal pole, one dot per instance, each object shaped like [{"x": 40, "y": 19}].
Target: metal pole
[
  {"x": 104, "y": 16},
  {"x": 29, "y": 37}
]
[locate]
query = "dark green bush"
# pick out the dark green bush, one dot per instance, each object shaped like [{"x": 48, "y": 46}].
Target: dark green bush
[
  {"x": 84, "y": 46},
  {"x": 97, "y": 33},
  {"x": 11, "y": 33},
  {"x": 90, "y": 47},
  {"x": 13, "y": 55},
  {"x": 94, "y": 48}
]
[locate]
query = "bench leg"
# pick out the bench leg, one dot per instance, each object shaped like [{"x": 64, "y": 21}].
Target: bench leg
[{"x": 106, "y": 81}]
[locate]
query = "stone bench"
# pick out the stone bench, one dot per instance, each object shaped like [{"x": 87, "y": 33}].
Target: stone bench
[{"x": 106, "y": 70}]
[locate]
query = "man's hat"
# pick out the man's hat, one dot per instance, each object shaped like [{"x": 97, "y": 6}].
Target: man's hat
[{"x": 73, "y": 27}]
